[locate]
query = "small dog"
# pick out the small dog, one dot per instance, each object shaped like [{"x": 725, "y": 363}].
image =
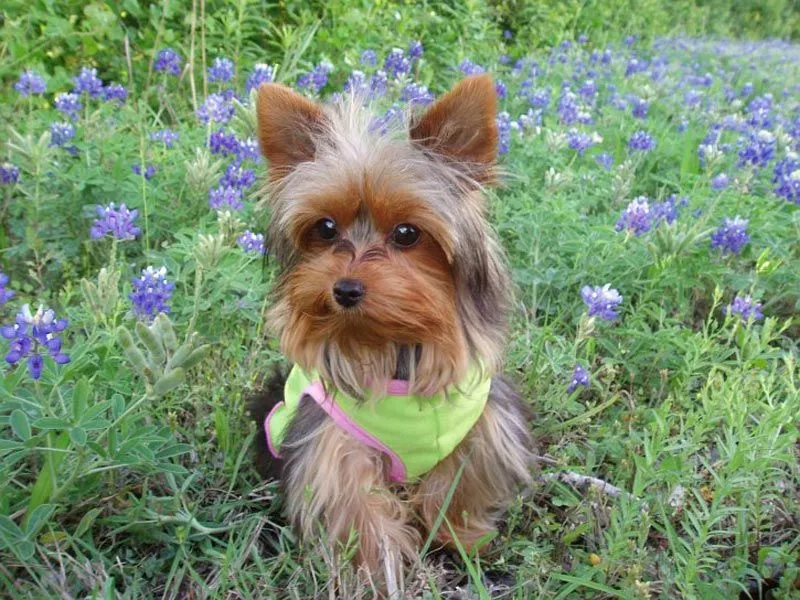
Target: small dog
[{"x": 392, "y": 302}]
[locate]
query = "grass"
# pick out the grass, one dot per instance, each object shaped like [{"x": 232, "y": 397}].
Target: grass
[{"x": 127, "y": 473}]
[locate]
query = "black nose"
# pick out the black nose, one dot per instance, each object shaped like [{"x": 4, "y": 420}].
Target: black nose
[{"x": 348, "y": 292}]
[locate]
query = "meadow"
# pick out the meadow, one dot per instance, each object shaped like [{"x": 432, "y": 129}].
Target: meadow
[{"x": 650, "y": 209}]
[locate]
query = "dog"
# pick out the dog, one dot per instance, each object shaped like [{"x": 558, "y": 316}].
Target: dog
[{"x": 392, "y": 302}]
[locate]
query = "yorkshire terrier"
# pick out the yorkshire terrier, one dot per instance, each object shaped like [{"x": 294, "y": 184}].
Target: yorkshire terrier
[{"x": 392, "y": 303}]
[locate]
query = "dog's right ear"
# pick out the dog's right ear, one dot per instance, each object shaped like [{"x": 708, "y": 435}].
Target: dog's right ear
[{"x": 287, "y": 126}]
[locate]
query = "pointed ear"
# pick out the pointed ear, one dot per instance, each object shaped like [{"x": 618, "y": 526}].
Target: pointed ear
[
  {"x": 461, "y": 125},
  {"x": 287, "y": 125}
]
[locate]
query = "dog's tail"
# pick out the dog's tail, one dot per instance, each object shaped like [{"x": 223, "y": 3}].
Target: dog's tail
[{"x": 259, "y": 404}]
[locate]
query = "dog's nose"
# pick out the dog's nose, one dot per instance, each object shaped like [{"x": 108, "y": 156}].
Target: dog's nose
[{"x": 348, "y": 292}]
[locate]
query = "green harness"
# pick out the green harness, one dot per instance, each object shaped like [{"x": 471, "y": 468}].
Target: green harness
[{"x": 415, "y": 432}]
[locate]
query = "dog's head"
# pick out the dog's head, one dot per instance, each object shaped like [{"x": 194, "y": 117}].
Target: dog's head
[{"x": 388, "y": 263}]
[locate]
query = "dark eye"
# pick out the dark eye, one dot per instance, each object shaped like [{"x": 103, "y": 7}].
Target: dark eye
[
  {"x": 326, "y": 229},
  {"x": 405, "y": 235}
]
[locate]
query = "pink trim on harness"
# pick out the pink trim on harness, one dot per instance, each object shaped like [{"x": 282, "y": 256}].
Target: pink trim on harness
[
  {"x": 271, "y": 447},
  {"x": 397, "y": 470}
]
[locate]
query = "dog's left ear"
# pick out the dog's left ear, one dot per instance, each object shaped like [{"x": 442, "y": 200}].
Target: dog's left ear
[
  {"x": 461, "y": 125},
  {"x": 288, "y": 124}
]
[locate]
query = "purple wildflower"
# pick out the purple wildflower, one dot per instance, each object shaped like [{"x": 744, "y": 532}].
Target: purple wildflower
[
  {"x": 692, "y": 98},
  {"x": 87, "y": 82},
  {"x": 720, "y": 182},
  {"x": 149, "y": 171},
  {"x": 30, "y": 82},
  {"x": 33, "y": 334},
  {"x": 115, "y": 91},
  {"x": 167, "y": 136},
  {"x": 758, "y": 150},
  {"x": 588, "y": 91},
  {"x": 468, "y": 67},
  {"x": 641, "y": 141},
  {"x": 169, "y": 61},
  {"x": 639, "y": 108},
  {"x": 224, "y": 198},
  {"x": 151, "y": 292},
  {"x": 5, "y": 293},
  {"x": 503, "y": 121},
  {"x": 540, "y": 98},
  {"x": 237, "y": 177},
  {"x": 252, "y": 242},
  {"x": 247, "y": 150},
  {"x": 583, "y": 38},
  {"x": 216, "y": 108},
  {"x": 731, "y": 236},
  {"x": 580, "y": 141},
  {"x": 605, "y": 160},
  {"x": 507, "y": 34},
  {"x": 668, "y": 210},
  {"x": 61, "y": 133},
  {"x": 787, "y": 179},
  {"x": 69, "y": 104},
  {"x": 416, "y": 93},
  {"x": 397, "y": 64},
  {"x": 8, "y": 173},
  {"x": 601, "y": 301},
  {"x": 636, "y": 218},
  {"x": 316, "y": 79},
  {"x": 415, "y": 50},
  {"x": 221, "y": 70},
  {"x": 745, "y": 308},
  {"x": 116, "y": 222},
  {"x": 389, "y": 120},
  {"x": 369, "y": 58},
  {"x": 221, "y": 142},
  {"x": 580, "y": 377},
  {"x": 262, "y": 73},
  {"x": 501, "y": 89}
]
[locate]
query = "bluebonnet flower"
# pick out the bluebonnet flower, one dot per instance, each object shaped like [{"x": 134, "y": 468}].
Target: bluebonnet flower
[
  {"x": 216, "y": 108},
  {"x": 731, "y": 236},
  {"x": 149, "y": 171},
  {"x": 61, "y": 133},
  {"x": 389, "y": 120},
  {"x": 501, "y": 89},
  {"x": 237, "y": 177},
  {"x": 504, "y": 59},
  {"x": 415, "y": 50},
  {"x": 262, "y": 73},
  {"x": 69, "y": 104},
  {"x": 787, "y": 179},
  {"x": 720, "y": 182},
  {"x": 759, "y": 149},
  {"x": 618, "y": 102},
  {"x": 225, "y": 197},
  {"x": 747, "y": 89},
  {"x": 532, "y": 118},
  {"x": 116, "y": 222},
  {"x": 416, "y": 93},
  {"x": 222, "y": 142},
  {"x": 641, "y": 141},
  {"x": 252, "y": 242},
  {"x": 30, "y": 82},
  {"x": 151, "y": 292},
  {"x": 470, "y": 68},
  {"x": 745, "y": 308},
  {"x": 636, "y": 218},
  {"x": 601, "y": 301},
  {"x": 221, "y": 70},
  {"x": 5, "y": 293},
  {"x": 503, "y": 121},
  {"x": 369, "y": 58},
  {"x": 580, "y": 141},
  {"x": 247, "y": 149},
  {"x": 639, "y": 108},
  {"x": 635, "y": 66},
  {"x": 32, "y": 335},
  {"x": 356, "y": 84},
  {"x": 507, "y": 35},
  {"x": 87, "y": 82},
  {"x": 8, "y": 173},
  {"x": 397, "y": 63},
  {"x": 540, "y": 98},
  {"x": 316, "y": 79},
  {"x": 630, "y": 40},
  {"x": 605, "y": 160},
  {"x": 570, "y": 111},
  {"x": 588, "y": 90},
  {"x": 115, "y": 91},
  {"x": 169, "y": 61},
  {"x": 692, "y": 98},
  {"x": 580, "y": 377},
  {"x": 378, "y": 84},
  {"x": 167, "y": 136}
]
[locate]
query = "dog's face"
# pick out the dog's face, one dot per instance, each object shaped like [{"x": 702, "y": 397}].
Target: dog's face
[{"x": 386, "y": 253}]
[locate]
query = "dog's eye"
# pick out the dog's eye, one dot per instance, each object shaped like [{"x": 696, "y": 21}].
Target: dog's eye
[
  {"x": 326, "y": 229},
  {"x": 405, "y": 235}
]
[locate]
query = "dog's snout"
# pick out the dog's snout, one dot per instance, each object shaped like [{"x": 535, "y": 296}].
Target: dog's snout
[{"x": 348, "y": 292}]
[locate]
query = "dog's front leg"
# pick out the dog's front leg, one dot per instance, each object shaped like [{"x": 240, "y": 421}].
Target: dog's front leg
[{"x": 335, "y": 484}]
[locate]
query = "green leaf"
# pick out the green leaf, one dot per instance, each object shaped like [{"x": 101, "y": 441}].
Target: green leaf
[
  {"x": 20, "y": 425},
  {"x": 80, "y": 398},
  {"x": 43, "y": 487},
  {"x": 50, "y": 423},
  {"x": 78, "y": 436},
  {"x": 37, "y": 519},
  {"x": 9, "y": 529},
  {"x": 87, "y": 521}
]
